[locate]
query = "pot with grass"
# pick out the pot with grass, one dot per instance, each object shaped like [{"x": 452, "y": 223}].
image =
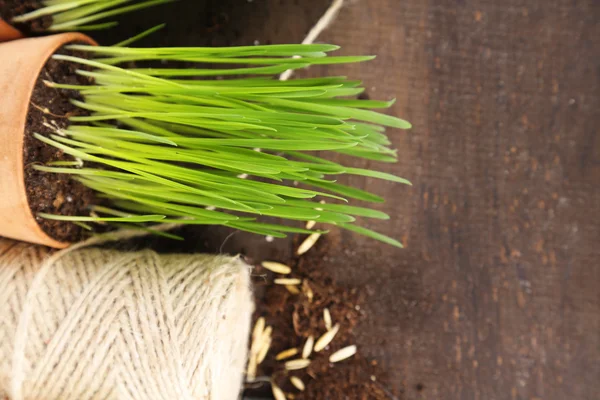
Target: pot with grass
[
  {"x": 20, "y": 18},
  {"x": 23, "y": 61},
  {"x": 121, "y": 145}
]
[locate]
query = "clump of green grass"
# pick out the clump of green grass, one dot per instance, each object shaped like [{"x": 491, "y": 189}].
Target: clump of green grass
[
  {"x": 179, "y": 146},
  {"x": 82, "y": 15}
]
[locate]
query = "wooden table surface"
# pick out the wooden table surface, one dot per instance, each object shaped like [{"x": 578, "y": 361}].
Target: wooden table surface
[{"x": 497, "y": 293}]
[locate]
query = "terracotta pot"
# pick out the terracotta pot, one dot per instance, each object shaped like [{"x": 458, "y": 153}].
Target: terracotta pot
[
  {"x": 22, "y": 61},
  {"x": 7, "y": 32}
]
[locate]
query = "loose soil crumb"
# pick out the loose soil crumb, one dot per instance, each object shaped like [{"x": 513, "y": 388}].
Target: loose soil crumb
[
  {"x": 12, "y": 8},
  {"x": 294, "y": 318},
  {"x": 53, "y": 193}
]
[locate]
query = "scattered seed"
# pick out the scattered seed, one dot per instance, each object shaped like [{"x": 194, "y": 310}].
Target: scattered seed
[
  {"x": 324, "y": 340},
  {"x": 276, "y": 267},
  {"x": 259, "y": 342},
  {"x": 307, "y": 291},
  {"x": 266, "y": 335},
  {"x": 308, "y": 347},
  {"x": 297, "y": 382},
  {"x": 310, "y": 224},
  {"x": 277, "y": 392},
  {"x": 308, "y": 243},
  {"x": 254, "y": 348},
  {"x": 296, "y": 364},
  {"x": 259, "y": 336},
  {"x": 256, "y": 344},
  {"x": 292, "y": 289},
  {"x": 251, "y": 372},
  {"x": 327, "y": 319},
  {"x": 288, "y": 281},
  {"x": 263, "y": 352},
  {"x": 343, "y": 354},
  {"x": 286, "y": 354},
  {"x": 259, "y": 327}
]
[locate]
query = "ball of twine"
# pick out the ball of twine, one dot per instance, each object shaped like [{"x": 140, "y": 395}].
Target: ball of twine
[{"x": 90, "y": 323}]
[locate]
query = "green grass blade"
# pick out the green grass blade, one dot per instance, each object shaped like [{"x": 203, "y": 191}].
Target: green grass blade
[{"x": 372, "y": 234}]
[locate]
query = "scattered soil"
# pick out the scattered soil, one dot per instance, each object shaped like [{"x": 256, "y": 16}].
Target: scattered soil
[
  {"x": 294, "y": 318},
  {"x": 53, "y": 193},
  {"x": 11, "y": 8}
]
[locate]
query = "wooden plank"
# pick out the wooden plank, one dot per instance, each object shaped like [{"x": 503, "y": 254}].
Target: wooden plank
[{"x": 496, "y": 295}]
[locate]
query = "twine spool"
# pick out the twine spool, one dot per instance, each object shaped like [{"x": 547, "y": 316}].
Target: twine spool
[{"x": 93, "y": 323}]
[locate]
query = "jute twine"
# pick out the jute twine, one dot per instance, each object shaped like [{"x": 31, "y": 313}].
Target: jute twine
[{"x": 90, "y": 323}]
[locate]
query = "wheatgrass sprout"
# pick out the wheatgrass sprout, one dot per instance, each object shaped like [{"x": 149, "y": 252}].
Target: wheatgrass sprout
[
  {"x": 178, "y": 142},
  {"x": 82, "y": 15}
]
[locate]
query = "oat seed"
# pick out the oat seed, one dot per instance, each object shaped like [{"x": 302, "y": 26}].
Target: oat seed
[
  {"x": 287, "y": 281},
  {"x": 259, "y": 342},
  {"x": 259, "y": 327},
  {"x": 297, "y": 382},
  {"x": 276, "y": 267},
  {"x": 343, "y": 354},
  {"x": 307, "y": 291},
  {"x": 292, "y": 289},
  {"x": 263, "y": 352},
  {"x": 286, "y": 354},
  {"x": 327, "y": 319},
  {"x": 277, "y": 392},
  {"x": 327, "y": 337},
  {"x": 251, "y": 372},
  {"x": 296, "y": 364},
  {"x": 308, "y": 347},
  {"x": 308, "y": 243},
  {"x": 266, "y": 335}
]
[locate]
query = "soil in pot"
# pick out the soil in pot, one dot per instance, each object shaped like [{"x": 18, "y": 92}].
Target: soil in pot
[
  {"x": 53, "y": 193},
  {"x": 12, "y": 8}
]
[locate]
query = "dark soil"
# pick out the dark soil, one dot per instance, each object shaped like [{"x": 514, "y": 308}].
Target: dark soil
[
  {"x": 11, "y": 8},
  {"x": 295, "y": 317},
  {"x": 53, "y": 193}
]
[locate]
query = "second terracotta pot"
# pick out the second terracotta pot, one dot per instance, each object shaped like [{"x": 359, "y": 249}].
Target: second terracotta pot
[
  {"x": 8, "y": 32},
  {"x": 22, "y": 61}
]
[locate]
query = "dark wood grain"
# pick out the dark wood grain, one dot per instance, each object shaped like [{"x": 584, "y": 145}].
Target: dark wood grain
[{"x": 496, "y": 295}]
